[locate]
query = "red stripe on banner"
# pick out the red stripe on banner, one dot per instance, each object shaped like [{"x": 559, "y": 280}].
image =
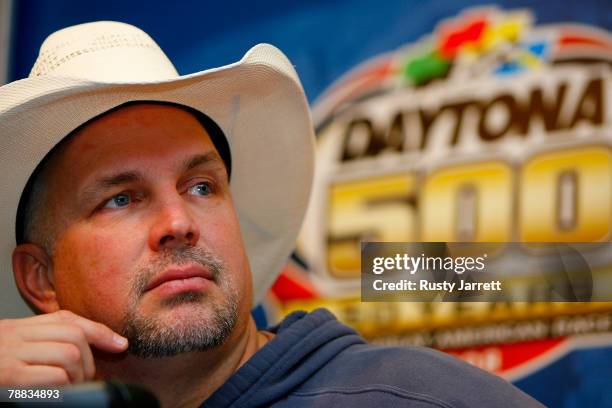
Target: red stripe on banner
[
  {"x": 575, "y": 40},
  {"x": 500, "y": 358},
  {"x": 291, "y": 285},
  {"x": 360, "y": 82}
]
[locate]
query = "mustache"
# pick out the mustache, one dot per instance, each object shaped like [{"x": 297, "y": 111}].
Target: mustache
[{"x": 176, "y": 257}]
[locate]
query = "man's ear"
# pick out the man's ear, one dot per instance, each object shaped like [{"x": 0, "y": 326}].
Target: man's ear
[{"x": 33, "y": 270}]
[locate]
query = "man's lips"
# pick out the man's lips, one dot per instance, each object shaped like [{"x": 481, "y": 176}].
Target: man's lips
[{"x": 179, "y": 274}]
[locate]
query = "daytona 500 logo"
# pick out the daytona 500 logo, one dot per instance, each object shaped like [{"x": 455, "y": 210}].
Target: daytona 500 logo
[{"x": 488, "y": 130}]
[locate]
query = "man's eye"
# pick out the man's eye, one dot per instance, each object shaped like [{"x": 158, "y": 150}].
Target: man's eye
[
  {"x": 201, "y": 189},
  {"x": 118, "y": 201}
]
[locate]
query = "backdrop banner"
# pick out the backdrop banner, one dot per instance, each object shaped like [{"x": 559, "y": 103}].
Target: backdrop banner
[{"x": 437, "y": 122}]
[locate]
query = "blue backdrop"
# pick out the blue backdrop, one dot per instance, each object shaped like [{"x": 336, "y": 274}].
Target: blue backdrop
[{"x": 323, "y": 38}]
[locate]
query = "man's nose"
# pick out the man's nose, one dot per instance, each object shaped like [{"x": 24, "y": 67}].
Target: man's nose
[{"x": 174, "y": 226}]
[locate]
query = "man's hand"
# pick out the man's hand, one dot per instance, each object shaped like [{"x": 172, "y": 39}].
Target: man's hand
[{"x": 53, "y": 349}]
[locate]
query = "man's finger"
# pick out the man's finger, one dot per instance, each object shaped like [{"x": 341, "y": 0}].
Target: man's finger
[
  {"x": 65, "y": 333},
  {"x": 97, "y": 334},
  {"x": 41, "y": 375},
  {"x": 63, "y": 355}
]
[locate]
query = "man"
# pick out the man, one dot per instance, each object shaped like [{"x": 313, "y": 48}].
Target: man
[{"x": 144, "y": 202}]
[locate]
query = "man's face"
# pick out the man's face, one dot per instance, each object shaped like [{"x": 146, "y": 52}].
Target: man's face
[{"x": 137, "y": 198}]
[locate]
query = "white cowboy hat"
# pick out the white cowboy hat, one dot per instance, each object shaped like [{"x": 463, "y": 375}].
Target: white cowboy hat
[{"x": 258, "y": 102}]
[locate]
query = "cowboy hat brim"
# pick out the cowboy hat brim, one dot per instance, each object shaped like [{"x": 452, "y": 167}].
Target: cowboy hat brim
[{"x": 259, "y": 104}]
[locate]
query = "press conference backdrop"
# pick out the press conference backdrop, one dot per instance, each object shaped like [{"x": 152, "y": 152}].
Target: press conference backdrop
[{"x": 436, "y": 121}]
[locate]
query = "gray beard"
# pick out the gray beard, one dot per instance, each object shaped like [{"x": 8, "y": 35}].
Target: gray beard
[{"x": 150, "y": 338}]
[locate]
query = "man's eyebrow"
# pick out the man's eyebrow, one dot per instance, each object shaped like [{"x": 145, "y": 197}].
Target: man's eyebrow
[
  {"x": 118, "y": 179},
  {"x": 202, "y": 159},
  {"x": 105, "y": 182}
]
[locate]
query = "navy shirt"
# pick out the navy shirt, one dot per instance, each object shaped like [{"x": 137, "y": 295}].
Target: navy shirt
[{"x": 316, "y": 361}]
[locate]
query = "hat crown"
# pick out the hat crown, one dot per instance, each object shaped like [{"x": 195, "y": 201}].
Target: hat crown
[{"x": 104, "y": 51}]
